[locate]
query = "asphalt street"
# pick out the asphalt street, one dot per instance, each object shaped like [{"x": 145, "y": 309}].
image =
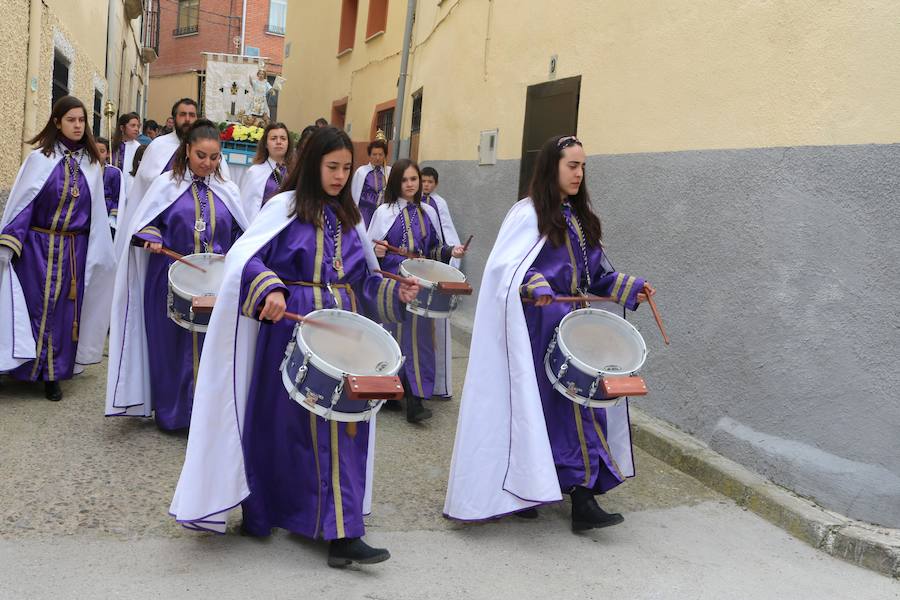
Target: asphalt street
[{"x": 83, "y": 514}]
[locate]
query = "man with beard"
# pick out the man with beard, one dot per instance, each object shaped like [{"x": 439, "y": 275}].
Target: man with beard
[{"x": 158, "y": 159}]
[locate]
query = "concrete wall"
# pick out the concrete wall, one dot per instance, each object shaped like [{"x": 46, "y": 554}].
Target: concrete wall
[
  {"x": 13, "y": 68},
  {"x": 776, "y": 270}
]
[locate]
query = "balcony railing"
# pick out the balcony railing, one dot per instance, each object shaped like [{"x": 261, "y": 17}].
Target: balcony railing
[
  {"x": 276, "y": 29},
  {"x": 186, "y": 30},
  {"x": 150, "y": 33}
]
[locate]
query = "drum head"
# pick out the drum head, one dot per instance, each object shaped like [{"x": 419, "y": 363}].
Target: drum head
[
  {"x": 602, "y": 341},
  {"x": 351, "y": 343},
  {"x": 189, "y": 282},
  {"x": 431, "y": 270}
]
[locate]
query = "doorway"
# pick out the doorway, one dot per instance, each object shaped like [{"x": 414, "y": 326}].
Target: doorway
[{"x": 551, "y": 108}]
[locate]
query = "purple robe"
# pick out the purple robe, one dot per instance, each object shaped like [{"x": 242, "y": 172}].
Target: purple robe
[
  {"x": 577, "y": 433},
  {"x": 112, "y": 181},
  {"x": 50, "y": 241},
  {"x": 414, "y": 231},
  {"x": 118, "y": 156},
  {"x": 372, "y": 193},
  {"x": 273, "y": 183},
  {"x": 174, "y": 352},
  {"x": 305, "y": 473}
]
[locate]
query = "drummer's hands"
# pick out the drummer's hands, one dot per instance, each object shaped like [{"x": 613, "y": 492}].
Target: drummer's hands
[
  {"x": 543, "y": 300},
  {"x": 408, "y": 291},
  {"x": 648, "y": 291},
  {"x": 154, "y": 247},
  {"x": 274, "y": 308},
  {"x": 380, "y": 250},
  {"x": 458, "y": 251}
]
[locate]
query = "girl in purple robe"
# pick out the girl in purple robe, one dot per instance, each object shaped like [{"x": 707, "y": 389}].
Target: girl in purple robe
[
  {"x": 125, "y": 144},
  {"x": 305, "y": 251},
  {"x": 51, "y": 244},
  {"x": 264, "y": 178},
  {"x": 519, "y": 442},
  {"x": 572, "y": 263},
  {"x": 199, "y": 220},
  {"x": 403, "y": 221}
]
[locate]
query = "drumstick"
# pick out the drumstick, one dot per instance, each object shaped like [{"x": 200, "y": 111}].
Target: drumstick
[
  {"x": 656, "y": 316},
  {"x": 468, "y": 241},
  {"x": 395, "y": 249},
  {"x": 330, "y": 326},
  {"x": 398, "y": 278},
  {"x": 174, "y": 255}
]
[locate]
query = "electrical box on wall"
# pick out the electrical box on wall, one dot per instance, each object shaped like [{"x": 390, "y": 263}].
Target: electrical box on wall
[{"x": 487, "y": 147}]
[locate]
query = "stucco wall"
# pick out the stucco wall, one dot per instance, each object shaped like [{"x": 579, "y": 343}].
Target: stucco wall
[
  {"x": 166, "y": 90},
  {"x": 777, "y": 273},
  {"x": 13, "y": 82}
]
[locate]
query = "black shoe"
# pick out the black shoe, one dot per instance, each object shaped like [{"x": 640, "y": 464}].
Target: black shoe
[
  {"x": 52, "y": 391},
  {"x": 587, "y": 514},
  {"x": 392, "y": 405},
  {"x": 345, "y": 551},
  {"x": 528, "y": 513},
  {"x": 415, "y": 412}
]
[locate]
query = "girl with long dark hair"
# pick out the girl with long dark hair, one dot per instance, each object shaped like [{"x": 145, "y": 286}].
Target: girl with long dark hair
[
  {"x": 519, "y": 442},
  {"x": 153, "y": 361},
  {"x": 286, "y": 466},
  {"x": 56, "y": 259},
  {"x": 403, "y": 221},
  {"x": 264, "y": 178},
  {"x": 124, "y": 144}
]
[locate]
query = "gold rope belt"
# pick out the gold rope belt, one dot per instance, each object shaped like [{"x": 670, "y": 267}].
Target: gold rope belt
[
  {"x": 73, "y": 270},
  {"x": 330, "y": 286}
]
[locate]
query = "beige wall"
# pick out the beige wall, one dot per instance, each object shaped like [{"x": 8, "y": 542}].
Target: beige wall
[
  {"x": 657, "y": 75},
  {"x": 166, "y": 90},
  {"x": 13, "y": 82},
  {"x": 316, "y": 76}
]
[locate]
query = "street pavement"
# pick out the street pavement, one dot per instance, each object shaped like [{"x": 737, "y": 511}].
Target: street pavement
[{"x": 83, "y": 514}]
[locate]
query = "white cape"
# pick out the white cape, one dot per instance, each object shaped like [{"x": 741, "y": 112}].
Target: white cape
[
  {"x": 359, "y": 178},
  {"x": 253, "y": 186},
  {"x": 128, "y": 383},
  {"x": 502, "y": 460},
  {"x": 213, "y": 479},
  {"x": 128, "y": 164},
  {"x": 16, "y": 337},
  {"x": 156, "y": 157}
]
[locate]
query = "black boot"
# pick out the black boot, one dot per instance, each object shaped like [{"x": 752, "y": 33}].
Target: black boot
[
  {"x": 528, "y": 513},
  {"x": 415, "y": 412},
  {"x": 52, "y": 391},
  {"x": 345, "y": 551},
  {"x": 392, "y": 405},
  {"x": 587, "y": 514}
]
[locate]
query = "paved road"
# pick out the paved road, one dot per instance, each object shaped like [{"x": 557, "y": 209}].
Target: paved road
[{"x": 83, "y": 504}]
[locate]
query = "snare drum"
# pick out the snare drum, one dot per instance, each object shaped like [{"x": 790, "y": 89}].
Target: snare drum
[
  {"x": 593, "y": 356},
  {"x": 431, "y": 303},
  {"x": 321, "y": 358},
  {"x": 187, "y": 283}
]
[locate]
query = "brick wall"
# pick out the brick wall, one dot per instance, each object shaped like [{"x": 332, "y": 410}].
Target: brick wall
[
  {"x": 219, "y": 25},
  {"x": 269, "y": 44}
]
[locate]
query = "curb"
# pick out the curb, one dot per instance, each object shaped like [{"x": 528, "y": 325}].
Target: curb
[{"x": 868, "y": 546}]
